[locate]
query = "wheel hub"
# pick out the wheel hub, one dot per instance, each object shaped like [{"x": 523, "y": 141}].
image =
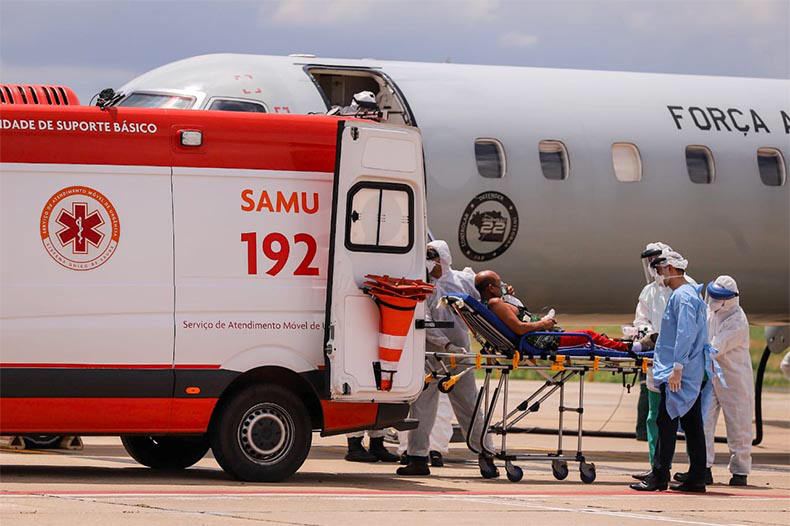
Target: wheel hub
[{"x": 266, "y": 433}]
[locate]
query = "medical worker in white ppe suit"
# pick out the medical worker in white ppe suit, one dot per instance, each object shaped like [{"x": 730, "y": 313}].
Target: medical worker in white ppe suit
[
  {"x": 452, "y": 340},
  {"x": 728, "y": 330}
]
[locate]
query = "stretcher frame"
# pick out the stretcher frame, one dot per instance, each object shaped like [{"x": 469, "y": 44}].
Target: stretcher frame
[{"x": 503, "y": 351}]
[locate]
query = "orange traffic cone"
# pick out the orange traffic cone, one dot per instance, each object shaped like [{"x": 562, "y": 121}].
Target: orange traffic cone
[
  {"x": 395, "y": 317},
  {"x": 396, "y": 300}
]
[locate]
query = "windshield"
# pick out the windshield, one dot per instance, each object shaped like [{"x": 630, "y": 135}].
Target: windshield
[{"x": 157, "y": 100}]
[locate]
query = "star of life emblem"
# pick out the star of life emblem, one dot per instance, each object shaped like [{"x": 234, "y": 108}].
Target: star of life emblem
[{"x": 80, "y": 228}]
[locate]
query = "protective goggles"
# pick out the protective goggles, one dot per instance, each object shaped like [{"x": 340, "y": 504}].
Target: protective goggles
[{"x": 720, "y": 293}]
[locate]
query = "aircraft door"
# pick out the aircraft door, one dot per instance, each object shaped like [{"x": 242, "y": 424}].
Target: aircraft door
[{"x": 378, "y": 227}]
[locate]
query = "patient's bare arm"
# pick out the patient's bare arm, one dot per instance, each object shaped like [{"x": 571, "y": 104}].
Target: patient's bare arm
[{"x": 508, "y": 314}]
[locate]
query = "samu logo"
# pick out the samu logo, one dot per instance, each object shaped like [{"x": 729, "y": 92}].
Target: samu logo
[{"x": 80, "y": 228}]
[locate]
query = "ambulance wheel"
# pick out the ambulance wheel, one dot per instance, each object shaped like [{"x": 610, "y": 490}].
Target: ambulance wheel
[
  {"x": 262, "y": 434},
  {"x": 165, "y": 452},
  {"x": 560, "y": 469},
  {"x": 587, "y": 472}
]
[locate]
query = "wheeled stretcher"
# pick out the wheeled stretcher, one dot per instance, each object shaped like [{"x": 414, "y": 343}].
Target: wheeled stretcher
[{"x": 504, "y": 351}]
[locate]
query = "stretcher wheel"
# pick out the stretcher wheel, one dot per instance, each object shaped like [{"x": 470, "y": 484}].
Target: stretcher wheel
[
  {"x": 587, "y": 472},
  {"x": 560, "y": 469},
  {"x": 442, "y": 388},
  {"x": 514, "y": 473}
]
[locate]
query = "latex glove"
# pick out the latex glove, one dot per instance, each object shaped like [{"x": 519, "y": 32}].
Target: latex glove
[
  {"x": 648, "y": 341},
  {"x": 549, "y": 315},
  {"x": 674, "y": 379},
  {"x": 454, "y": 348}
]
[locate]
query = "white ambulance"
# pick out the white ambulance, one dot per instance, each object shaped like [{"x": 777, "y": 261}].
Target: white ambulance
[{"x": 190, "y": 280}]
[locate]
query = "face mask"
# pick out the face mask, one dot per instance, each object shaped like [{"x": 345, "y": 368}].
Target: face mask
[
  {"x": 430, "y": 265},
  {"x": 715, "y": 305}
]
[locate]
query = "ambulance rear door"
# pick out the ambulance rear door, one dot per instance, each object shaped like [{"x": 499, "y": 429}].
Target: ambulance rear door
[{"x": 378, "y": 227}]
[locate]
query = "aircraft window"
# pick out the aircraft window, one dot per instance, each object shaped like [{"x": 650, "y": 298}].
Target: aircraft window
[
  {"x": 157, "y": 100},
  {"x": 237, "y": 105},
  {"x": 699, "y": 162},
  {"x": 490, "y": 156},
  {"x": 627, "y": 162},
  {"x": 380, "y": 218},
  {"x": 772, "y": 166},
  {"x": 554, "y": 160}
]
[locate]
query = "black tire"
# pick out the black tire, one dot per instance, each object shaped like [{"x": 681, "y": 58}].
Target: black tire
[
  {"x": 262, "y": 434},
  {"x": 41, "y": 441},
  {"x": 166, "y": 452},
  {"x": 559, "y": 469}
]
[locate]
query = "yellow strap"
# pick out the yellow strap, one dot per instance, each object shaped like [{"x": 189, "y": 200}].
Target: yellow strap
[
  {"x": 559, "y": 363},
  {"x": 516, "y": 359},
  {"x": 479, "y": 361},
  {"x": 428, "y": 378},
  {"x": 452, "y": 362},
  {"x": 644, "y": 365},
  {"x": 596, "y": 362}
]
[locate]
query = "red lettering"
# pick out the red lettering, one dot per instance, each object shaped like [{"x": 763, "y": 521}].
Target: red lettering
[
  {"x": 249, "y": 204},
  {"x": 264, "y": 202},
  {"x": 293, "y": 202},
  {"x": 280, "y": 256},
  {"x": 304, "y": 268}
]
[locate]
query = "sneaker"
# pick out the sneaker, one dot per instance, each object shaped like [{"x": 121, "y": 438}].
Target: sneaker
[
  {"x": 436, "y": 459},
  {"x": 417, "y": 466},
  {"x": 487, "y": 467},
  {"x": 738, "y": 480}
]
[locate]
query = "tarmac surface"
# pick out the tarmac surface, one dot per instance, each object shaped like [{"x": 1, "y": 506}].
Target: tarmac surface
[{"x": 102, "y": 485}]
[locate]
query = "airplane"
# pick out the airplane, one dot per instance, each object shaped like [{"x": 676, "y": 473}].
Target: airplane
[{"x": 555, "y": 178}]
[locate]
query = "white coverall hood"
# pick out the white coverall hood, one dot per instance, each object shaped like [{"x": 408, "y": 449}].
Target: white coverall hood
[{"x": 728, "y": 330}]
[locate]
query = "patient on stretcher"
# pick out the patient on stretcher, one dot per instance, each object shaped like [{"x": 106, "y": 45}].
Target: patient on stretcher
[{"x": 519, "y": 320}]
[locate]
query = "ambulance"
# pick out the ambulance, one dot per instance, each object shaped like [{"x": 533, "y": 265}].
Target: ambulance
[{"x": 194, "y": 280}]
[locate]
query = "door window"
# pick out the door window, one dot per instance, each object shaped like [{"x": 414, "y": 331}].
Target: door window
[{"x": 380, "y": 218}]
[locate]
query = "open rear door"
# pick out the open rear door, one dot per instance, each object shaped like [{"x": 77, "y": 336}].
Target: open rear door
[{"x": 378, "y": 227}]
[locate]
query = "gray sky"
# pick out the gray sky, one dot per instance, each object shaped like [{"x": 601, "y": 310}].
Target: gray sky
[{"x": 89, "y": 45}]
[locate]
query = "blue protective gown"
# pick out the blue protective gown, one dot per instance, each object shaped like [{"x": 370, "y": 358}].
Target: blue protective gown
[{"x": 683, "y": 339}]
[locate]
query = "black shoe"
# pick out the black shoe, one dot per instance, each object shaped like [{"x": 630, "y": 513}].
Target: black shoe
[
  {"x": 641, "y": 476},
  {"x": 404, "y": 459},
  {"x": 357, "y": 453},
  {"x": 378, "y": 450},
  {"x": 738, "y": 480},
  {"x": 487, "y": 467},
  {"x": 436, "y": 459},
  {"x": 651, "y": 483},
  {"x": 417, "y": 466},
  {"x": 683, "y": 477},
  {"x": 689, "y": 487}
]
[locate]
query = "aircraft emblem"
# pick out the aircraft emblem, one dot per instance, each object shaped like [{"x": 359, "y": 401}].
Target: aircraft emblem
[{"x": 489, "y": 226}]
